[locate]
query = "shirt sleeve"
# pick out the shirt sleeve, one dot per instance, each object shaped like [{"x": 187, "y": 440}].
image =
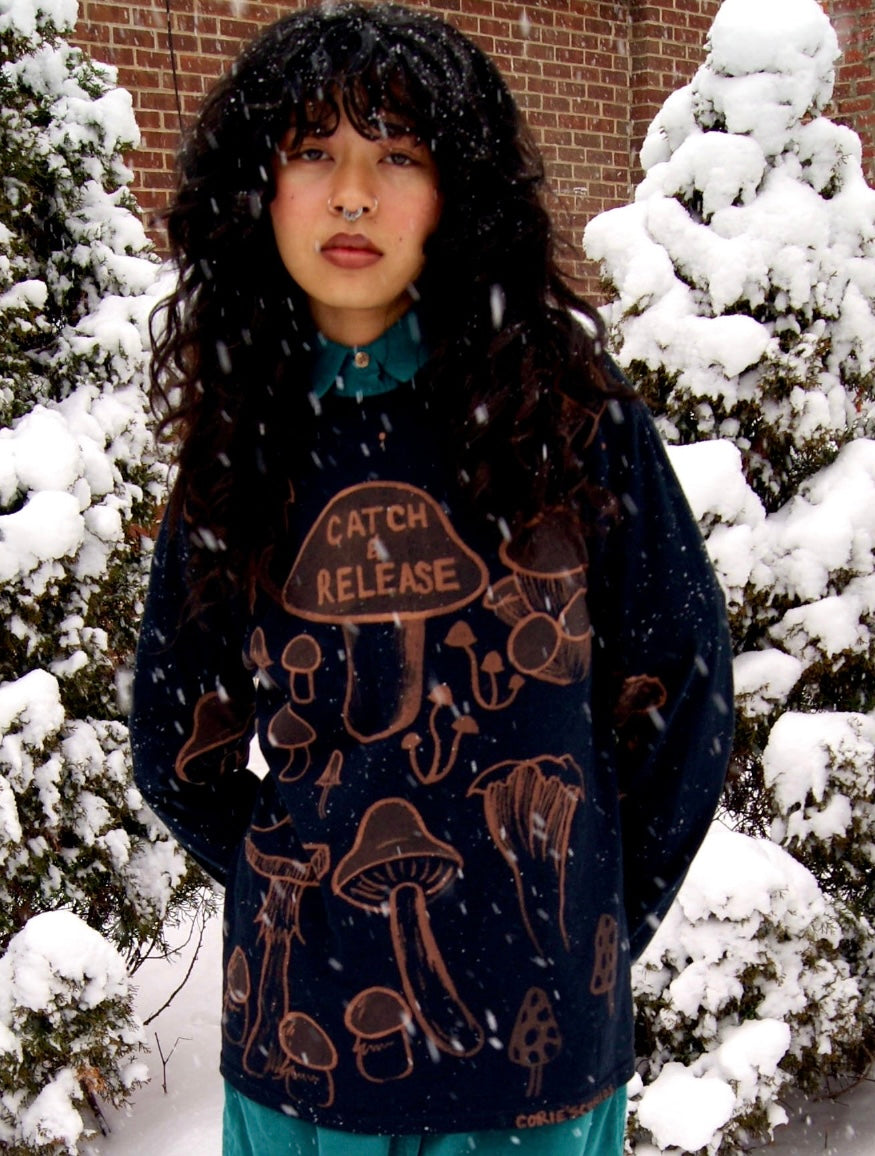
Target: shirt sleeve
[
  {"x": 663, "y": 657},
  {"x": 192, "y": 716}
]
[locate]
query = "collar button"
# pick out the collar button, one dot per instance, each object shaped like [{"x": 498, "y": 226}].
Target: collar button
[{"x": 361, "y": 360}]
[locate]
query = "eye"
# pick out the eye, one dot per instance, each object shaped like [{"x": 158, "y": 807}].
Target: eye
[
  {"x": 402, "y": 160},
  {"x": 310, "y": 153}
]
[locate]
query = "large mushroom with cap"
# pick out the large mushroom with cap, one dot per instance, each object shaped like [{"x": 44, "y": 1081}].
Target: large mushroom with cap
[
  {"x": 380, "y": 561},
  {"x": 219, "y": 727},
  {"x": 397, "y": 866}
]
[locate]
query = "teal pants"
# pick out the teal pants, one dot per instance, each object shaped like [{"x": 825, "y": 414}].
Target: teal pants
[{"x": 253, "y": 1130}]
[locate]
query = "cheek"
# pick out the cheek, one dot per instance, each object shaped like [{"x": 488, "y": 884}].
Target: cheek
[{"x": 435, "y": 210}]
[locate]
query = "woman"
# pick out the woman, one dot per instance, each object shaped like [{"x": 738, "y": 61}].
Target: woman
[{"x": 424, "y": 542}]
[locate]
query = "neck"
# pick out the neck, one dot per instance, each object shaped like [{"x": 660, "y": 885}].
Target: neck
[{"x": 356, "y": 326}]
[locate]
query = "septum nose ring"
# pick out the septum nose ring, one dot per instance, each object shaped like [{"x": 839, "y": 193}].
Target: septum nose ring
[{"x": 351, "y": 215}]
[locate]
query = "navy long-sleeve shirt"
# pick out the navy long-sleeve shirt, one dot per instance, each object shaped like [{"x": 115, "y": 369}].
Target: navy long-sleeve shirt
[{"x": 489, "y": 769}]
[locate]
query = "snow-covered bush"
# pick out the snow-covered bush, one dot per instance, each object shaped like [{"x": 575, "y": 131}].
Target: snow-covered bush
[
  {"x": 744, "y": 270},
  {"x": 79, "y": 483},
  {"x": 63, "y": 989},
  {"x": 743, "y": 280},
  {"x": 741, "y": 985}
]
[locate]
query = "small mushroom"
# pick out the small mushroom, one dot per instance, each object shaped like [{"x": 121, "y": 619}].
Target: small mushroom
[
  {"x": 440, "y": 696},
  {"x": 461, "y": 636},
  {"x": 380, "y": 1020},
  {"x": 328, "y": 780},
  {"x": 259, "y": 657},
  {"x": 535, "y": 1040},
  {"x": 397, "y": 865},
  {"x": 301, "y": 658},
  {"x": 238, "y": 989},
  {"x": 382, "y": 554},
  {"x": 288, "y": 731},
  {"x": 309, "y": 1055}
]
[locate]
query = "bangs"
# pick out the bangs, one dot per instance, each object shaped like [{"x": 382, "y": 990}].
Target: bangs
[
  {"x": 376, "y": 108},
  {"x": 384, "y": 81}
]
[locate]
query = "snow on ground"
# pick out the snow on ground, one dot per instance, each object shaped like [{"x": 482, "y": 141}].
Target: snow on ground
[{"x": 186, "y": 1119}]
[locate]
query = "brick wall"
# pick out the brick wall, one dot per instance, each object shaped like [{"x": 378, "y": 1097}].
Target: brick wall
[
  {"x": 590, "y": 76},
  {"x": 854, "y": 103}
]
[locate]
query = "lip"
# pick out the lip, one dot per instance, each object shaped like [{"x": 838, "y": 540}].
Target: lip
[
  {"x": 350, "y": 241},
  {"x": 350, "y": 251}
]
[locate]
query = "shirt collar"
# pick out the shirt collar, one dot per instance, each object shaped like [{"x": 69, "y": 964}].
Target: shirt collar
[{"x": 367, "y": 370}]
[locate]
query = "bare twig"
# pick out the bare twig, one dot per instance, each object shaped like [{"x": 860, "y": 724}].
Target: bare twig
[
  {"x": 165, "y": 1060},
  {"x": 201, "y": 918}
]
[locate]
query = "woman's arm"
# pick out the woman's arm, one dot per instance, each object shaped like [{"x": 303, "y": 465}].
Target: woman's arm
[
  {"x": 192, "y": 717},
  {"x": 664, "y": 661}
]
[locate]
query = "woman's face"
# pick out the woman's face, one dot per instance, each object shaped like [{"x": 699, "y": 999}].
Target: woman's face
[{"x": 350, "y": 218}]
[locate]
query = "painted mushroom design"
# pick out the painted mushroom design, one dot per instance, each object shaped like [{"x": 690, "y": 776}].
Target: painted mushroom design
[
  {"x": 328, "y": 780},
  {"x": 288, "y": 731},
  {"x": 395, "y": 866},
  {"x": 219, "y": 722},
  {"x": 441, "y": 697},
  {"x": 382, "y": 554},
  {"x": 309, "y": 1055},
  {"x": 238, "y": 988},
  {"x": 529, "y": 808},
  {"x": 535, "y": 1040},
  {"x": 301, "y": 658},
  {"x": 380, "y": 1020},
  {"x": 545, "y": 600},
  {"x": 258, "y": 658},
  {"x": 461, "y": 636},
  {"x": 279, "y": 921}
]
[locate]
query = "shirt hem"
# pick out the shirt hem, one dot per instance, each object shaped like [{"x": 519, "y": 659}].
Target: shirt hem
[{"x": 445, "y": 1122}]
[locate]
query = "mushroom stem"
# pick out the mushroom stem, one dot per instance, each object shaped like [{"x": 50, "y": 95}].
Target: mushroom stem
[
  {"x": 369, "y": 719},
  {"x": 431, "y": 993}
]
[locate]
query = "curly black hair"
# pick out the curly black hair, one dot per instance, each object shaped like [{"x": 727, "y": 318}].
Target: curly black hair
[{"x": 509, "y": 337}]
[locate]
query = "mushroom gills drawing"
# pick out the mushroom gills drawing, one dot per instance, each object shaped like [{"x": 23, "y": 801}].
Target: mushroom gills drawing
[
  {"x": 395, "y": 866},
  {"x": 529, "y": 808}
]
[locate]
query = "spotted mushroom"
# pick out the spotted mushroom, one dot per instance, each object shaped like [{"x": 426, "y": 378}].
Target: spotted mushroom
[{"x": 395, "y": 867}]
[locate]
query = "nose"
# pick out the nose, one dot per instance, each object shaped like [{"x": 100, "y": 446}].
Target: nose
[{"x": 352, "y": 196}]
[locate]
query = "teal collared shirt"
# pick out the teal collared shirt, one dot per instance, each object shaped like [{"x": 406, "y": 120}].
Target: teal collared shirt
[{"x": 367, "y": 370}]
